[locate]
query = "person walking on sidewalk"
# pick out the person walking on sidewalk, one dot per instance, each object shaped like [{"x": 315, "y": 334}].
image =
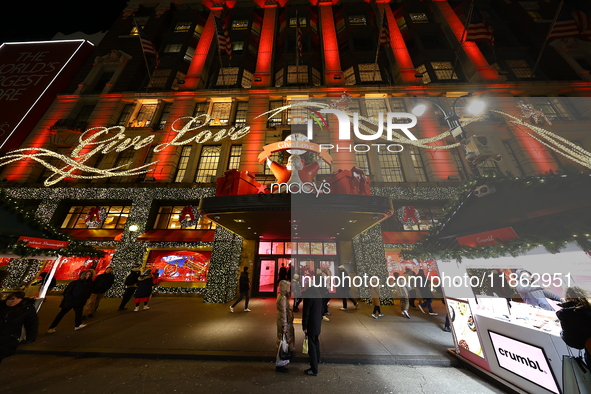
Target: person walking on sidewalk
[
  {"x": 412, "y": 291},
  {"x": 100, "y": 286},
  {"x": 130, "y": 284},
  {"x": 296, "y": 291},
  {"x": 16, "y": 312},
  {"x": 284, "y": 323},
  {"x": 345, "y": 288},
  {"x": 144, "y": 290},
  {"x": 323, "y": 290},
  {"x": 374, "y": 292},
  {"x": 311, "y": 325},
  {"x": 74, "y": 297},
  {"x": 401, "y": 292},
  {"x": 424, "y": 289},
  {"x": 244, "y": 288}
]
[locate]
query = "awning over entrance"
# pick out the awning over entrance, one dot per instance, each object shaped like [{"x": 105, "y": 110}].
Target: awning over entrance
[{"x": 284, "y": 216}]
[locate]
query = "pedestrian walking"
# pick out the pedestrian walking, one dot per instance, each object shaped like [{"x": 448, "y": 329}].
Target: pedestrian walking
[
  {"x": 296, "y": 292},
  {"x": 100, "y": 286},
  {"x": 323, "y": 290},
  {"x": 311, "y": 325},
  {"x": 74, "y": 297},
  {"x": 284, "y": 324},
  {"x": 282, "y": 273},
  {"x": 130, "y": 284},
  {"x": 16, "y": 312},
  {"x": 345, "y": 288},
  {"x": 401, "y": 292},
  {"x": 244, "y": 288},
  {"x": 412, "y": 291},
  {"x": 145, "y": 282},
  {"x": 424, "y": 290},
  {"x": 374, "y": 292}
]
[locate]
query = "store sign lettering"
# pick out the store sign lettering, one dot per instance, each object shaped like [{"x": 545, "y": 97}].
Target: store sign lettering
[{"x": 296, "y": 188}]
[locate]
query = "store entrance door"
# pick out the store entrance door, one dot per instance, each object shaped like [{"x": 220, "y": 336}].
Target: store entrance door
[{"x": 268, "y": 273}]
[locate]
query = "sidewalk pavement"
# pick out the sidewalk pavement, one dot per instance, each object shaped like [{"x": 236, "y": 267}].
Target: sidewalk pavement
[{"x": 187, "y": 328}]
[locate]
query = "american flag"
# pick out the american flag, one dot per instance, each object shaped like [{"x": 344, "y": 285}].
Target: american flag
[
  {"x": 147, "y": 46},
  {"x": 385, "y": 32},
  {"x": 565, "y": 26},
  {"x": 299, "y": 37},
  {"x": 583, "y": 22},
  {"x": 479, "y": 30},
  {"x": 224, "y": 42}
]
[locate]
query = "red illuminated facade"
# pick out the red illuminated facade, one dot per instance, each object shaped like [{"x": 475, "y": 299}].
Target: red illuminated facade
[{"x": 119, "y": 90}]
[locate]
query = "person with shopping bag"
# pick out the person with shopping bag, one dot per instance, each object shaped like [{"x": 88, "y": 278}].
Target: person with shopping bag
[
  {"x": 311, "y": 324},
  {"x": 285, "y": 332}
]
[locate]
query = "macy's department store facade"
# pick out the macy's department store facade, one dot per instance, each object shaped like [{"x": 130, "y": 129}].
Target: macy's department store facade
[{"x": 204, "y": 192}]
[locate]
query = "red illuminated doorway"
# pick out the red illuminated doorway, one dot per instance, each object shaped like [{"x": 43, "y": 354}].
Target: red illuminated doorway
[{"x": 267, "y": 275}]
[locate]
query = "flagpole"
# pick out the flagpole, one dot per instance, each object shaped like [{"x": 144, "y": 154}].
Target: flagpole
[
  {"x": 547, "y": 37},
  {"x": 463, "y": 37},
  {"x": 143, "y": 53},
  {"x": 375, "y": 63}
]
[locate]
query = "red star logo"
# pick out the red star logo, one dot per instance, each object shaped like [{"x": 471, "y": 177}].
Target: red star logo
[{"x": 261, "y": 189}]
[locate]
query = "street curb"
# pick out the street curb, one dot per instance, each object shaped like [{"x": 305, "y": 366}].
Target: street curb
[{"x": 423, "y": 360}]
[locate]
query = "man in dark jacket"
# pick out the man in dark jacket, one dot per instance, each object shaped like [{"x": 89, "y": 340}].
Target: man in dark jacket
[
  {"x": 244, "y": 287},
  {"x": 130, "y": 284},
  {"x": 16, "y": 311},
  {"x": 345, "y": 288},
  {"x": 74, "y": 297},
  {"x": 311, "y": 324},
  {"x": 100, "y": 286}
]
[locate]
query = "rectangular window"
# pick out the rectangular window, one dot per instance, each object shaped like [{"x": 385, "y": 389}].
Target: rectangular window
[
  {"x": 240, "y": 24},
  {"x": 357, "y": 20},
  {"x": 443, "y": 70},
  {"x": 418, "y": 164},
  {"x": 235, "y": 153},
  {"x": 125, "y": 114},
  {"x": 513, "y": 157},
  {"x": 374, "y": 106},
  {"x": 297, "y": 74},
  {"x": 228, "y": 76},
  {"x": 208, "y": 163},
  {"x": 125, "y": 157},
  {"x": 179, "y": 79},
  {"x": 324, "y": 169},
  {"x": 303, "y": 21},
  {"x": 274, "y": 157},
  {"x": 116, "y": 217},
  {"x": 278, "y": 118},
  {"x": 189, "y": 54},
  {"x": 169, "y": 218},
  {"x": 220, "y": 114},
  {"x": 424, "y": 74},
  {"x": 401, "y": 22},
  {"x": 296, "y": 115},
  {"x": 200, "y": 109},
  {"x": 159, "y": 79},
  {"x": 369, "y": 72},
  {"x": 237, "y": 46},
  {"x": 241, "y": 108},
  {"x": 173, "y": 48},
  {"x": 391, "y": 166},
  {"x": 489, "y": 168},
  {"x": 551, "y": 107},
  {"x": 316, "y": 77},
  {"x": 148, "y": 160},
  {"x": 164, "y": 116},
  {"x": 428, "y": 217},
  {"x": 145, "y": 115},
  {"x": 350, "y": 78},
  {"x": 246, "y": 79},
  {"x": 279, "y": 78},
  {"x": 418, "y": 17},
  {"x": 182, "y": 27},
  {"x": 362, "y": 162},
  {"x": 520, "y": 68},
  {"x": 181, "y": 167},
  {"x": 536, "y": 16}
]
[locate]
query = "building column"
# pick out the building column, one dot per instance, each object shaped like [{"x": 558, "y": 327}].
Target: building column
[
  {"x": 194, "y": 77},
  {"x": 262, "y": 75},
  {"x": 253, "y": 142},
  {"x": 485, "y": 71},
  {"x": 397, "y": 45},
  {"x": 333, "y": 75}
]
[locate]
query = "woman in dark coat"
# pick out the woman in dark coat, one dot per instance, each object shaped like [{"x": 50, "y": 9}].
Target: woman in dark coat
[
  {"x": 311, "y": 324},
  {"x": 284, "y": 322},
  {"x": 144, "y": 290},
  {"x": 16, "y": 311},
  {"x": 424, "y": 288},
  {"x": 575, "y": 319},
  {"x": 74, "y": 297}
]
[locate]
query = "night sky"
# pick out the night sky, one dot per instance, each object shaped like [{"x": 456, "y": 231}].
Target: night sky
[{"x": 41, "y": 20}]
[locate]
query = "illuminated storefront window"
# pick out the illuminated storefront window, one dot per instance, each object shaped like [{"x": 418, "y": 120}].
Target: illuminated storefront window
[
  {"x": 208, "y": 164},
  {"x": 181, "y": 168},
  {"x": 116, "y": 217},
  {"x": 220, "y": 113},
  {"x": 391, "y": 166},
  {"x": 228, "y": 76},
  {"x": 168, "y": 218},
  {"x": 369, "y": 72},
  {"x": 235, "y": 153}
]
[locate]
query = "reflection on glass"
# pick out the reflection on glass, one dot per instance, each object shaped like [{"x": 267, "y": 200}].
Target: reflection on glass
[
  {"x": 265, "y": 248},
  {"x": 330, "y": 248},
  {"x": 267, "y": 276},
  {"x": 316, "y": 248},
  {"x": 303, "y": 248}
]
